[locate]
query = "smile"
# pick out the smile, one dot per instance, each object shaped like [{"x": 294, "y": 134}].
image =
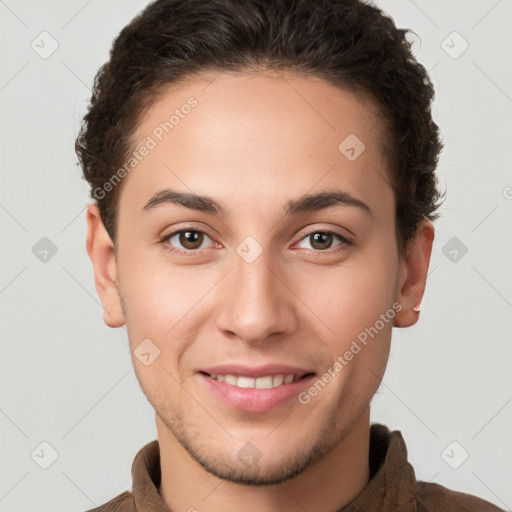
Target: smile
[
  {"x": 255, "y": 394},
  {"x": 266, "y": 382}
]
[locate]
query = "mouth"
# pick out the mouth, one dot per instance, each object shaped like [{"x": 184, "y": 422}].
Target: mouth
[
  {"x": 263, "y": 382},
  {"x": 255, "y": 390}
]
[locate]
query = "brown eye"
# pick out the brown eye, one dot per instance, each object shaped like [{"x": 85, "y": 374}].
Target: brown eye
[
  {"x": 191, "y": 239},
  {"x": 320, "y": 240},
  {"x": 187, "y": 241}
]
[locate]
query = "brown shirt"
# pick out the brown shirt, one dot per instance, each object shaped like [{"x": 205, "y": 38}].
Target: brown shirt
[{"x": 392, "y": 486}]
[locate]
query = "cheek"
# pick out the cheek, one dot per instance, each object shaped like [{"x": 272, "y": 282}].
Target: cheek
[
  {"x": 350, "y": 297},
  {"x": 162, "y": 303},
  {"x": 354, "y": 308},
  {"x": 151, "y": 303},
  {"x": 157, "y": 308}
]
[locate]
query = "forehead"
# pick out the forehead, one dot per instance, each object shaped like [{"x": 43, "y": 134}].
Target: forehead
[{"x": 271, "y": 133}]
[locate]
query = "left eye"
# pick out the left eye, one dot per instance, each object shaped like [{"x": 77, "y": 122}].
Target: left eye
[
  {"x": 322, "y": 240},
  {"x": 189, "y": 239}
]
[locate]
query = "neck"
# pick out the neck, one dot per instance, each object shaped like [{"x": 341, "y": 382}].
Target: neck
[{"x": 327, "y": 485}]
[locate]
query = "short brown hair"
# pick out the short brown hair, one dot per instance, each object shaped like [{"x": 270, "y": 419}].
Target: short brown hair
[{"x": 351, "y": 44}]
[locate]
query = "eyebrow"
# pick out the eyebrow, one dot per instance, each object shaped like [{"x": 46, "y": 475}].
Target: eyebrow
[
  {"x": 306, "y": 203},
  {"x": 189, "y": 200},
  {"x": 325, "y": 199}
]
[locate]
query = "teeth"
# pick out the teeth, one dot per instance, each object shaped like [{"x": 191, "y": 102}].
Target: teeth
[
  {"x": 278, "y": 380},
  {"x": 263, "y": 382},
  {"x": 245, "y": 382},
  {"x": 267, "y": 382},
  {"x": 230, "y": 379}
]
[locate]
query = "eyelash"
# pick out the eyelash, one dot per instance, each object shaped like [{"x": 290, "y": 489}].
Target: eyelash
[{"x": 344, "y": 242}]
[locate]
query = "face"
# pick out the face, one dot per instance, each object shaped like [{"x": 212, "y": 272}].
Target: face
[{"x": 251, "y": 244}]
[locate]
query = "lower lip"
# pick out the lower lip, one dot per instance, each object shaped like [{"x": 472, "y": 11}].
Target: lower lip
[{"x": 253, "y": 399}]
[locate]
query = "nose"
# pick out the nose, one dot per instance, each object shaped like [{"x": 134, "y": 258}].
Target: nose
[{"x": 255, "y": 301}]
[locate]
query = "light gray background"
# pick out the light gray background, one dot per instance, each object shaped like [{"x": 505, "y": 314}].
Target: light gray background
[{"x": 67, "y": 379}]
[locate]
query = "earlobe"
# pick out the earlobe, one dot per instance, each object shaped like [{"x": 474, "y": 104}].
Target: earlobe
[
  {"x": 101, "y": 252},
  {"x": 414, "y": 274}
]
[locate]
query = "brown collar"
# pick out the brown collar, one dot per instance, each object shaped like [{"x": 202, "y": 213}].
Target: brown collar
[{"x": 392, "y": 485}]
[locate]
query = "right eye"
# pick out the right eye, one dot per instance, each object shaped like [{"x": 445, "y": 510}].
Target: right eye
[{"x": 191, "y": 241}]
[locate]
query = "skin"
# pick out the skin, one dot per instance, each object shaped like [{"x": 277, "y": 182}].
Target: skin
[{"x": 254, "y": 142}]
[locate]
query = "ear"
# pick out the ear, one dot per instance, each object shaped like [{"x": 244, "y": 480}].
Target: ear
[
  {"x": 101, "y": 252},
  {"x": 413, "y": 274}
]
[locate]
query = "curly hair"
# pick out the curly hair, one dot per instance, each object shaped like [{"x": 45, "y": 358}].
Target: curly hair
[{"x": 349, "y": 43}]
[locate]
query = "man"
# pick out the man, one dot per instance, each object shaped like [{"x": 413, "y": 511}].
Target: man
[{"x": 264, "y": 182}]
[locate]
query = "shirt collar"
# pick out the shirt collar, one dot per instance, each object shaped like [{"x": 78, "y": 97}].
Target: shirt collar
[{"x": 392, "y": 484}]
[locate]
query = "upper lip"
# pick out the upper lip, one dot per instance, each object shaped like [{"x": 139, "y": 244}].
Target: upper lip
[{"x": 241, "y": 370}]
